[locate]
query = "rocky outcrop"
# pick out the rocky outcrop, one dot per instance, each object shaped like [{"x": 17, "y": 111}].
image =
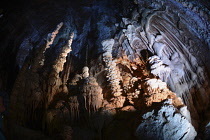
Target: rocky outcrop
[
  {"x": 165, "y": 111},
  {"x": 156, "y": 91},
  {"x": 164, "y": 122}
]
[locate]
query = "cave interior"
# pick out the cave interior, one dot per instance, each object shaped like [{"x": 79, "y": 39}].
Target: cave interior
[{"x": 104, "y": 70}]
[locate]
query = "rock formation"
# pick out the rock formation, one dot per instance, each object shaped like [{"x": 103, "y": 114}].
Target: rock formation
[
  {"x": 165, "y": 122},
  {"x": 113, "y": 75},
  {"x": 104, "y": 69},
  {"x": 156, "y": 91}
]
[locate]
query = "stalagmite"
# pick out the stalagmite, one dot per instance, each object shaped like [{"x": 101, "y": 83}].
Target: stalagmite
[
  {"x": 92, "y": 94},
  {"x": 57, "y": 68},
  {"x": 113, "y": 74},
  {"x": 85, "y": 72},
  {"x": 32, "y": 84},
  {"x": 49, "y": 42},
  {"x": 51, "y": 36}
]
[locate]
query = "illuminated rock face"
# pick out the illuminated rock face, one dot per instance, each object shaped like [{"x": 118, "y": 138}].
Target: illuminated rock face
[
  {"x": 105, "y": 65},
  {"x": 156, "y": 91},
  {"x": 162, "y": 124},
  {"x": 167, "y": 117},
  {"x": 113, "y": 74}
]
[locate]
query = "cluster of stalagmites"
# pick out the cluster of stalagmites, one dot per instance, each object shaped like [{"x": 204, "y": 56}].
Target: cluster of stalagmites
[
  {"x": 156, "y": 43},
  {"x": 172, "y": 58},
  {"x": 36, "y": 87},
  {"x": 171, "y": 110},
  {"x": 87, "y": 101},
  {"x": 155, "y": 92},
  {"x": 57, "y": 68}
]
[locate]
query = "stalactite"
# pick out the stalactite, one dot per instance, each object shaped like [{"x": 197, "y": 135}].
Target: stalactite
[
  {"x": 74, "y": 108},
  {"x": 129, "y": 51}
]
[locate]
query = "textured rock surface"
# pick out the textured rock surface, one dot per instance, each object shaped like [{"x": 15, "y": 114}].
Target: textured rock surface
[
  {"x": 207, "y": 132},
  {"x": 113, "y": 74},
  {"x": 165, "y": 122},
  {"x": 86, "y": 69},
  {"x": 156, "y": 91}
]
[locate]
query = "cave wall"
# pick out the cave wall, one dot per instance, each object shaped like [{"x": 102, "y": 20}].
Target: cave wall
[{"x": 83, "y": 67}]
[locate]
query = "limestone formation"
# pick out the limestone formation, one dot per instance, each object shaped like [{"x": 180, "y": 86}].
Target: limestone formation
[
  {"x": 116, "y": 102},
  {"x": 32, "y": 83},
  {"x": 54, "y": 78},
  {"x": 113, "y": 74},
  {"x": 172, "y": 57},
  {"x": 109, "y": 70},
  {"x": 92, "y": 95},
  {"x": 85, "y": 72},
  {"x": 156, "y": 91},
  {"x": 49, "y": 42},
  {"x": 159, "y": 69},
  {"x": 165, "y": 122}
]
